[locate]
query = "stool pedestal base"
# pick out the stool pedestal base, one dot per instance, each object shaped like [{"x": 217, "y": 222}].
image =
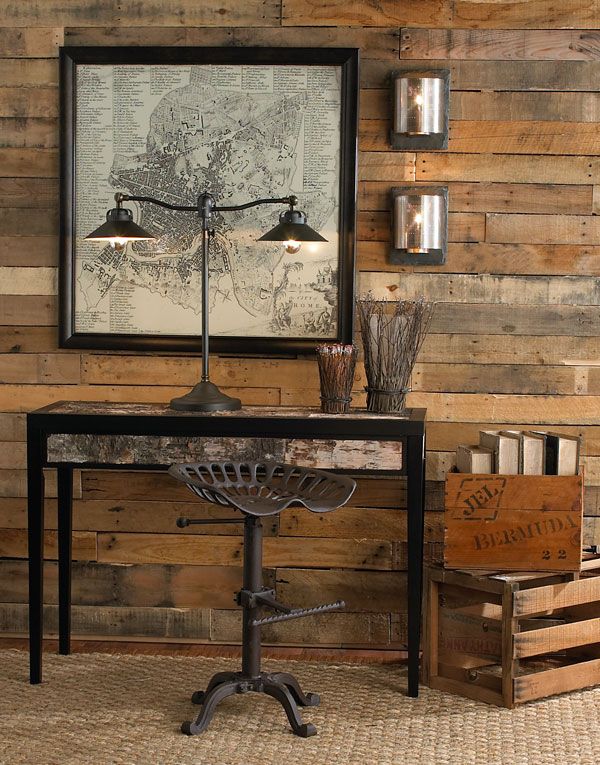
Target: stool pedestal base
[{"x": 280, "y": 685}]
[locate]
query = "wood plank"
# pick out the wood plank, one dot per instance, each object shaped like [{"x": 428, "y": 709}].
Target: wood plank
[
  {"x": 21, "y": 42},
  {"x": 493, "y": 197},
  {"x": 126, "y": 515},
  {"x": 28, "y": 281},
  {"x": 108, "y": 485},
  {"x": 508, "y": 349},
  {"x": 13, "y": 544},
  {"x": 16, "y": 220},
  {"x": 525, "y": 13},
  {"x": 473, "y": 318},
  {"x": 28, "y": 339},
  {"x": 29, "y": 132},
  {"x": 355, "y": 523},
  {"x": 362, "y": 591},
  {"x": 538, "y": 600},
  {"x": 558, "y": 638},
  {"x": 29, "y": 193},
  {"x": 468, "y": 633},
  {"x": 542, "y": 229},
  {"x": 13, "y": 427},
  {"x": 462, "y": 227},
  {"x": 450, "y": 685},
  {"x": 28, "y": 310},
  {"x": 146, "y": 585},
  {"x": 557, "y": 680},
  {"x": 484, "y": 288},
  {"x": 378, "y": 43},
  {"x": 29, "y": 251},
  {"x": 12, "y": 455},
  {"x": 501, "y": 44},
  {"x": 13, "y": 483},
  {"x": 523, "y": 137},
  {"x": 496, "y": 75},
  {"x": 170, "y": 370},
  {"x": 512, "y": 168},
  {"x": 28, "y": 163},
  {"x": 365, "y": 13},
  {"x": 335, "y": 629},
  {"x": 387, "y": 166},
  {"x": 38, "y": 13},
  {"x": 29, "y": 72},
  {"x": 184, "y": 624},
  {"x": 494, "y": 378},
  {"x": 542, "y": 410},
  {"x": 28, "y": 103},
  {"x": 215, "y": 550},
  {"x": 39, "y": 368},
  {"x": 568, "y": 107},
  {"x": 21, "y": 398},
  {"x": 496, "y": 258}
]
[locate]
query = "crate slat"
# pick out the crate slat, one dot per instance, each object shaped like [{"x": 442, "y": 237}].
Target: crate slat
[
  {"x": 538, "y": 600},
  {"x": 556, "y": 680},
  {"x": 557, "y": 638}
]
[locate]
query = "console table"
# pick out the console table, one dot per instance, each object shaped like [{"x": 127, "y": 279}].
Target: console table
[{"x": 70, "y": 434}]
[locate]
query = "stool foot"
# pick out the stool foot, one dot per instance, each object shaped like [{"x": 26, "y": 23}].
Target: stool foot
[
  {"x": 284, "y": 696},
  {"x": 221, "y": 677},
  {"x": 301, "y": 698},
  {"x": 210, "y": 703}
]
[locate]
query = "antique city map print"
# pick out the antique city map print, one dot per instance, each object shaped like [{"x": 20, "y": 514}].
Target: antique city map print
[{"x": 240, "y": 133}]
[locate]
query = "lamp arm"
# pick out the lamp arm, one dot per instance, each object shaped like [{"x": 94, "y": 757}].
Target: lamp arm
[
  {"x": 127, "y": 198},
  {"x": 291, "y": 200}
]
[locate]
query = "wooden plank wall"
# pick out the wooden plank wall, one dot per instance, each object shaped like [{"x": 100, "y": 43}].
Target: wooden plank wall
[{"x": 514, "y": 342}]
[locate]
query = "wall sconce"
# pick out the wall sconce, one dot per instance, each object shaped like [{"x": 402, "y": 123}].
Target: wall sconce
[
  {"x": 420, "y": 119},
  {"x": 420, "y": 225}
]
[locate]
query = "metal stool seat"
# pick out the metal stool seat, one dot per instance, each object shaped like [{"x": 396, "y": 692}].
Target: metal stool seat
[{"x": 260, "y": 489}]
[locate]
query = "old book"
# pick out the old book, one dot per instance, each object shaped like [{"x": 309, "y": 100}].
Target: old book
[
  {"x": 565, "y": 453},
  {"x": 532, "y": 452},
  {"x": 505, "y": 449},
  {"x": 474, "y": 459}
]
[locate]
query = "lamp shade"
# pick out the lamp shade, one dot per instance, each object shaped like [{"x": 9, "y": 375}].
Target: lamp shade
[
  {"x": 420, "y": 225},
  {"x": 292, "y": 226},
  {"x": 120, "y": 226}
]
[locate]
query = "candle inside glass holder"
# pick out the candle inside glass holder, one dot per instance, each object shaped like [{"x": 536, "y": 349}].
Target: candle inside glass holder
[{"x": 336, "y": 373}]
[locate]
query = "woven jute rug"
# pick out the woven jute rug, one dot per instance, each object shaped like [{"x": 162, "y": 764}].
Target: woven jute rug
[{"x": 95, "y": 709}]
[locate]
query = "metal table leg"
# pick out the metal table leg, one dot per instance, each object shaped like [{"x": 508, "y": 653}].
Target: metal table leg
[
  {"x": 65, "y": 534},
  {"x": 35, "y": 515},
  {"x": 415, "y": 476}
]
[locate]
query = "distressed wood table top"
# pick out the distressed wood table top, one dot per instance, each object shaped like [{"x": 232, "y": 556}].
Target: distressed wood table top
[
  {"x": 152, "y": 434},
  {"x": 162, "y": 410}
]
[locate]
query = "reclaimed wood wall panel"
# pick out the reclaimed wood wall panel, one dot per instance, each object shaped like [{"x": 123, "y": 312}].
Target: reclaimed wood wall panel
[{"x": 514, "y": 341}]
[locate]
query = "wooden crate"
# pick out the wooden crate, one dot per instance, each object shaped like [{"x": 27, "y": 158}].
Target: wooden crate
[
  {"x": 510, "y": 638},
  {"x": 513, "y": 522}
]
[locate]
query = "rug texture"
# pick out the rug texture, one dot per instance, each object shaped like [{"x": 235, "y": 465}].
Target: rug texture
[{"x": 95, "y": 709}]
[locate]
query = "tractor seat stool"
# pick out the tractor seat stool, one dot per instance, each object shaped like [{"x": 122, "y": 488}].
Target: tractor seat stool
[{"x": 260, "y": 489}]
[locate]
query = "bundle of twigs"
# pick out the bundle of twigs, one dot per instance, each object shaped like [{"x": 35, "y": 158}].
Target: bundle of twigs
[
  {"x": 392, "y": 334},
  {"x": 336, "y": 372}
]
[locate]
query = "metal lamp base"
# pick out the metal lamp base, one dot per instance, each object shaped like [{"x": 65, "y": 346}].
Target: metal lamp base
[{"x": 205, "y": 397}]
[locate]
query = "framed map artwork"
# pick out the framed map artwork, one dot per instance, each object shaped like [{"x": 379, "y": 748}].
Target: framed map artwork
[{"x": 241, "y": 124}]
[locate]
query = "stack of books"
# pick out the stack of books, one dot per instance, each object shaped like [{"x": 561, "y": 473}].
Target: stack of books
[{"x": 513, "y": 452}]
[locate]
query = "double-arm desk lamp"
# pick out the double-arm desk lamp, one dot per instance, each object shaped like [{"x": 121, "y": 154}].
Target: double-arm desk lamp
[{"x": 120, "y": 228}]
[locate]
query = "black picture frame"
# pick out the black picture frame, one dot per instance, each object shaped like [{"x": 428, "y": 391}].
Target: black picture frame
[{"x": 348, "y": 61}]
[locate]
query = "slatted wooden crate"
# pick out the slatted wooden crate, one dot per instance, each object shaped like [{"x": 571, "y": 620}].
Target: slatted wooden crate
[
  {"x": 510, "y": 638},
  {"x": 513, "y": 522}
]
